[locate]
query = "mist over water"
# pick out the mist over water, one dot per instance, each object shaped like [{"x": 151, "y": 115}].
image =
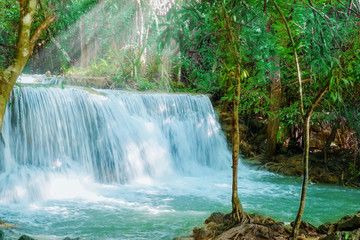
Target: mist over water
[{"x": 108, "y": 164}]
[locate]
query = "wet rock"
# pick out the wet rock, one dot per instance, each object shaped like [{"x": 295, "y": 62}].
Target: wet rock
[
  {"x": 201, "y": 233},
  {"x": 349, "y": 223},
  {"x": 330, "y": 178},
  {"x": 2, "y": 235},
  {"x": 216, "y": 217},
  {"x": 291, "y": 171},
  {"x": 227, "y": 219},
  {"x": 280, "y": 158},
  {"x": 332, "y": 228},
  {"x": 67, "y": 238},
  {"x": 26, "y": 237},
  {"x": 97, "y": 82},
  {"x": 354, "y": 235},
  {"x": 324, "y": 228}
]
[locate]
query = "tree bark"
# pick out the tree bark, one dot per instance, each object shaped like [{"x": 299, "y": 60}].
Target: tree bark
[
  {"x": 306, "y": 132},
  {"x": 296, "y": 227},
  {"x": 306, "y": 116},
  {"x": 24, "y": 49},
  {"x": 275, "y": 103},
  {"x": 238, "y": 214},
  {"x": 330, "y": 139}
]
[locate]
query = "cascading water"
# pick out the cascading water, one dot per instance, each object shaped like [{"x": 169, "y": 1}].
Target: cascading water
[
  {"x": 113, "y": 136},
  {"x": 106, "y": 164}
]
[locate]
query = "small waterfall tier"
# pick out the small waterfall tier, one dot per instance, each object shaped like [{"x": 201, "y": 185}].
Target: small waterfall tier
[{"x": 113, "y": 136}]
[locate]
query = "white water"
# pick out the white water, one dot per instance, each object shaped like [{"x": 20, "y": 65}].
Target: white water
[
  {"x": 119, "y": 165},
  {"x": 54, "y": 136}
]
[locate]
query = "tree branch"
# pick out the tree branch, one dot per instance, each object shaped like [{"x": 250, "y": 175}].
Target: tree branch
[
  {"x": 6, "y": 46},
  {"x": 40, "y": 29},
  {"x": 356, "y": 13},
  {"x": 298, "y": 71},
  {"x": 316, "y": 100},
  {"x": 327, "y": 21}
]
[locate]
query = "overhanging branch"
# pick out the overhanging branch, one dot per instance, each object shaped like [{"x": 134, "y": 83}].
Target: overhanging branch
[{"x": 40, "y": 29}]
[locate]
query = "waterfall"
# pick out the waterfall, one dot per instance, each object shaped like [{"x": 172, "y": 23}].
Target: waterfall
[{"x": 109, "y": 136}]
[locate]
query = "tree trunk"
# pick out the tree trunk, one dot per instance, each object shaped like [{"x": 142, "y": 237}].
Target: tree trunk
[
  {"x": 233, "y": 59},
  {"x": 295, "y": 230},
  {"x": 306, "y": 131},
  {"x": 275, "y": 103},
  {"x": 330, "y": 139},
  {"x": 24, "y": 49},
  {"x": 238, "y": 214},
  {"x": 306, "y": 134}
]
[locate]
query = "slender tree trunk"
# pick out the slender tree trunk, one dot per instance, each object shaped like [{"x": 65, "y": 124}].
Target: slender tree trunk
[
  {"x": 306, "y": 133},
  {"x": 238, "y": 214},
  {"x": 306, "y": 116}
]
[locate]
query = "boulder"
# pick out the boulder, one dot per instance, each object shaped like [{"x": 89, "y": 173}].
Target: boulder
[
  {"x": 216, "y": 217},
  {"x": 201, "y": 233},
  {"x": 354, "y": 235},
  {"x": 324, "y": 228},
  {"x": 330, "y": 178},
  {"x": 333, "y": 236},
  {"x": 349, "y": 223},
  {"x": 26, "y": 237}
]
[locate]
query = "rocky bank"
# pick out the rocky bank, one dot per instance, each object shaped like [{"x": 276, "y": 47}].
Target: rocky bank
[
  {"x": 219, "y": 227},
  {"x": 335, "y": 169}
]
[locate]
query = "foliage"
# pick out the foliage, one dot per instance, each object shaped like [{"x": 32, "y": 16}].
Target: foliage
[
  {"x": 9, "y": 17},
  {"x": 136, "y": 45}
]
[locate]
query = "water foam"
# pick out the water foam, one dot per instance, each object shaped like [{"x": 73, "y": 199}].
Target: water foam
[{"x": 57, "y": 140}]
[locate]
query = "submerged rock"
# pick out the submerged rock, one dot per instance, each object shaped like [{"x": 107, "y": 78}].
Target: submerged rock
[
  {"x": 67, "y": 238},
  {"x": 26, "y": 237},
  {"x": 2, "y": 235}
]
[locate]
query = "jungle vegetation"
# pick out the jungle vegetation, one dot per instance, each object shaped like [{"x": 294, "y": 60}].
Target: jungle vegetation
[{"x": 293, "y": 64}]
